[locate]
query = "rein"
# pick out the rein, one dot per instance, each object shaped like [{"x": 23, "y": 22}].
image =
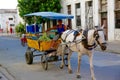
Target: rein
[
  {"x": 96, "y": 35},
  {"x": 85, "y": 41}
]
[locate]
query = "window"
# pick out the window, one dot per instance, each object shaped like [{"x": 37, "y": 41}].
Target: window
[
  {"x": 90, "y": 3},
  {"x": 54, "y": 22},
  {"x": 103, "y": 4},
  {"x": 78, "y": 14},
  {"x": 69, "y": 20},
  {"x": 77, "y": 5},
  {"x": 78, "y": 21},
  {"x": 117, "y": 19},
  {"x": 117, "y": 4},
  {"x": 12, "y": 24},
  {"x": 117, "y": 14},
  {"x": 69, "y": 9},
  {"x": 48, "y": 24},
  {"x": 10, "y": 18},
  {"x": 89, "y": 14}
]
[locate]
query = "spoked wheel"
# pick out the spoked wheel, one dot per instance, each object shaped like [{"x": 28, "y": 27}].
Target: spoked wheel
[
  {"x": 29, "y": 57},
  {"x": 44, "y": 62}
]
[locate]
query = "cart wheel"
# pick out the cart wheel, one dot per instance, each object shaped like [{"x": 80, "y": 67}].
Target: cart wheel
[
  {"x": 44, "y": 62},
  {"x": 28, "y": 49},
  {"x": 29, "y": 57}
]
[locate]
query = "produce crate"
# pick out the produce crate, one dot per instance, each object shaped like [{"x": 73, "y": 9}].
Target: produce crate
[
  {"x": 42, "y": 45},
  {"x": 33, "y": 43},
  {"x": 45, "y": 45},
  {"x": 29, "y": 35}
]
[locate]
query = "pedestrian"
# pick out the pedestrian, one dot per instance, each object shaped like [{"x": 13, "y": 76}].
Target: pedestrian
[
  {"x": 11, "y": 30},
  {"x": 23, "y": 39},
  {"x": 60, "y": 29}
]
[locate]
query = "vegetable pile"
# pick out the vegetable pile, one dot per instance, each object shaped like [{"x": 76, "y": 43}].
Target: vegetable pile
[{"x": 44, "y": 37}]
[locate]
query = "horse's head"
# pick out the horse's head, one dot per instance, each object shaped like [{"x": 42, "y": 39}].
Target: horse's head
[{"x": 100, "y": 38}]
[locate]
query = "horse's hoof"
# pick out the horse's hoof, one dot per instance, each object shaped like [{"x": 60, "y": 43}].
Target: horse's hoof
[
  {"x": 61, "y": 67},
  {"x": 78, "y": 76},
  {"x": 70, "y": 71},
  {"x": 66, "y": 65},
  {"x": 93, "y": 78}
]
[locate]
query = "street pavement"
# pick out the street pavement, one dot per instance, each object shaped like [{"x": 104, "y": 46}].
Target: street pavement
[
  {"x": 4, "y": 74},
  {"x": 113, "y": 47}
]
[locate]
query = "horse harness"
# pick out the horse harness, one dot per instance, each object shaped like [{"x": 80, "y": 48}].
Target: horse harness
[
  {"x": 76, "y": 33},
  {"x": 84, "y": 40},
  {"x": 95, "y": 35}
]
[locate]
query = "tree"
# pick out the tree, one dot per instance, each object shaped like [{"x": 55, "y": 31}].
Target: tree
[
  {"x": 20, "y": 28},
  {"x": 30, "y": 6}
]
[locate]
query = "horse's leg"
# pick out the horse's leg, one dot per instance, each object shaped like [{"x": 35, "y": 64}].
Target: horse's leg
[
  {"x": 62, "y": 56},
  {"x": 69, "y": 63},
  {"x": 62, "y": 61},
  {"x": 91, "y": 66},
  {"x": 79, "y": 62}
]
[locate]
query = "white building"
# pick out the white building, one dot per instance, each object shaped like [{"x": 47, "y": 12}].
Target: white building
[
  {"x": 89, "y": 13},
  {"x": 8, "y": 18}
]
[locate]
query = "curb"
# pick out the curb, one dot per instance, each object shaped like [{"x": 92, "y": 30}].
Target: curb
[
  {"x": 5, "y": 74},
  {"x": 10, "y": 36},
  {"x": 108, "y": 50}
]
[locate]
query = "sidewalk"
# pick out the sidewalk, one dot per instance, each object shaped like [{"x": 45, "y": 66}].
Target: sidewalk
[
  {"x": 112, "y": 46},
  {"x": 4, "y": 74},
  {"x": 14, "y": 35}
]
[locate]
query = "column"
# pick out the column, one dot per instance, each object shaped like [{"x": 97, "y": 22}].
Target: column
[
  {"x": 111, "y": 19},
  {"x": 73, "y": 13},
  {"x": 96, "y": 21},
  {"x": 83, "y": 14}
]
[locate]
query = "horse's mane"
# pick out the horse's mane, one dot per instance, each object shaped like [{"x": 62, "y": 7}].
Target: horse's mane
[{"x": 85, "y": 40}]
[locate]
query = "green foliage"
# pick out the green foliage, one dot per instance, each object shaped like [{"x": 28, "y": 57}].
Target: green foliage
[
  {"x": 20, "y": 28},
  {"x": 44, "y": 37},
  {"x": 30, "y": 6}
]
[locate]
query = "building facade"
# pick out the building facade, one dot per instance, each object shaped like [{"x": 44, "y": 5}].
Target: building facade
[
  {"x": 90, "y": 13},
  {"x": 8, "y": 19}
]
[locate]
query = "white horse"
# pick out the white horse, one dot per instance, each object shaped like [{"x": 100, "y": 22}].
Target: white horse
[{"x": 84, "y": 43}]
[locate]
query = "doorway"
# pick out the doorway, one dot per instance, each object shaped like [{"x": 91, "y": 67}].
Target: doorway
[{"x": 104, "y": 22}]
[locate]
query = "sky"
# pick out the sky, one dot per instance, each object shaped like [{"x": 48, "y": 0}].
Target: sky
[{"x": 8, "y": 4}]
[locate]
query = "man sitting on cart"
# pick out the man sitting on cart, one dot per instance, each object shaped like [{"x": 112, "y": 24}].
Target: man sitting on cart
[{"x": 60, "y": 28}]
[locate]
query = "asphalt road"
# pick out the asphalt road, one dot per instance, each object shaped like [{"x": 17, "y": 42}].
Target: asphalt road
[{"x": 106, "y": 65}]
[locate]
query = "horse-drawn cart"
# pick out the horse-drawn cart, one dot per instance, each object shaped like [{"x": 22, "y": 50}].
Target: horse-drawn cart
[
  {"x": 43, "y": 47},
  {"x": 47, "y": 54}
]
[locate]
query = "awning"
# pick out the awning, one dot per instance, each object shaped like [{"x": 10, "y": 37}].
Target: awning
[{"x": 51, "y": 15}]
